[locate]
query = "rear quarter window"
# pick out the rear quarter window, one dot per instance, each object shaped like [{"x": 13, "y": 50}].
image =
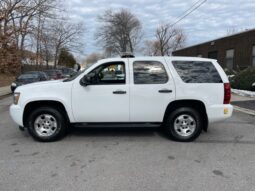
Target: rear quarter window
[{"x": 197, "y": 72}]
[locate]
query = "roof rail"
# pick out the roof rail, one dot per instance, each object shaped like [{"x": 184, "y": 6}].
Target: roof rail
[{"x": 127, "y": 55}]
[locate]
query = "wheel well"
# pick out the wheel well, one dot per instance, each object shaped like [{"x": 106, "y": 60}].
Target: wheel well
[
  {"x": 195, "y": 104},
  {"x": 35, "y": 104}
]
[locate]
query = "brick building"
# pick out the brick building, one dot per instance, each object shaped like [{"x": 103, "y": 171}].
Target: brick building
[{"x": 236, "y": 51}]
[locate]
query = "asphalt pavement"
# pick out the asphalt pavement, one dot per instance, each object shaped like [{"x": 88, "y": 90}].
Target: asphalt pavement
[
  {"x": 129, "y": 159},
  {"x": 245, "y": 104}
]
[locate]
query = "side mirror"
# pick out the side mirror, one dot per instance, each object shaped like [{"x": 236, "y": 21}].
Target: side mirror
[{"x": 85, "y": 81}]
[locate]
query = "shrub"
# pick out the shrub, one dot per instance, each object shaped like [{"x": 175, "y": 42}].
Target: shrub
[
  {"x": 244, "y": 80},
  {"x": 230, "y": 72}
]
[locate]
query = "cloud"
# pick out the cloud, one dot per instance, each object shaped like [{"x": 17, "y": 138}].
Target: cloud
[{"x": 210, "y": 21}]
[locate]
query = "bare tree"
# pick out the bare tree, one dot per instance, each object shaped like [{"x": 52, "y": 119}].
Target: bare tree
[
  {"x": 168, "y": 39},
  {"x": 46, "y": 46},
  {"x": 66, "y": 35},
  {"x": 93, "y": 58},
  {"x": 19, "y": 20},
  {"x": 120, "y": 31},
  {"x": 35, "y": 23},
  {"x": 18, "y": 17},
  {"x": 231, "y": 30},
  {"x": 151, "y": 48},
  {"x": 7, "y": 9}
]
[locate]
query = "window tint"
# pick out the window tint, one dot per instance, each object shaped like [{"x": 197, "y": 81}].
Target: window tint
[
  {"x": 110, "y": 73},
  {"x": 149, "y": 72},
  {"x": 197, "y": 72},
  {"x": 28, "y": 76}
]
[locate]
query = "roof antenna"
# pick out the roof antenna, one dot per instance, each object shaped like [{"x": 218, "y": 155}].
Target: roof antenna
[{"x": 126, "y": 55}]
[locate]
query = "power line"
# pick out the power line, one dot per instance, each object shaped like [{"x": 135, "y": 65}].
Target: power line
[
  {"x": 196, "y": 3},
  {"x": 191, "y": 10},
  {"x": 186, "y": 13}
]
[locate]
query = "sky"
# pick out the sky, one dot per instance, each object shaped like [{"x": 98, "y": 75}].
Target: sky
[{"x": 208, "y": 22}]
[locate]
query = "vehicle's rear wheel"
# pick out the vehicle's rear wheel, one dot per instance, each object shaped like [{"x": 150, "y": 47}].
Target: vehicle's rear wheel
[
  {"x": 184, "y": 124},
  {"x": 46, "y": 124}
]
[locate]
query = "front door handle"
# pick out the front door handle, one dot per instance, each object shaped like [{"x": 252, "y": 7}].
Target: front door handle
[
  {"x": 165, "y": 91},
  {"x": 119, "y": 92}
]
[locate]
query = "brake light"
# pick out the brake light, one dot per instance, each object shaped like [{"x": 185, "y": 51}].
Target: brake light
[
  {"x": 227, "y": 93},
  {"x": 59, "y": 76}
]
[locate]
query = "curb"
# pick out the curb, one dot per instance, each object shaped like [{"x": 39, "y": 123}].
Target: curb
[
  {"x": 5, "y": 95},
  {"x": 4, "y": 91},
  {"x": 247, "y": 111}
]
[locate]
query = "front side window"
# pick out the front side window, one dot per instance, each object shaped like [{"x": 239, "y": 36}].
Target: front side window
[
  {"x": 197, "y": 72},
  {"x": 230, "y": 58},
  {"x": 149, "y": 72},
  {"x": 110, "y": 73}
]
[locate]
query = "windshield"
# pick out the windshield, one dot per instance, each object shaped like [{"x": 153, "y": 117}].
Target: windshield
[
  {"x": 27, "y": 76},
  {"x": 76, "y": 74},
  {"x": 50, "y": 72}
]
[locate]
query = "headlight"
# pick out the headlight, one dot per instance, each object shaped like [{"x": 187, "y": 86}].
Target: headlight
[
  {"x": 14, "y": 84},
  {"x": 16, "y": 98}
]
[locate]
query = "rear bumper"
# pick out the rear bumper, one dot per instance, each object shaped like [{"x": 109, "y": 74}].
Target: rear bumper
[
  {"x": 217, "y": 113},
  {"x": 16, "y": 113}
]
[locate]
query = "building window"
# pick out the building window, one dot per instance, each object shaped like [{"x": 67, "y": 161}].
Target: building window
[
  {"x": 253, "y": 56},
  {"x": 200, "y": 55},
  {"x": 213, "y": 55},
  {"x": 230, "y": 58}
]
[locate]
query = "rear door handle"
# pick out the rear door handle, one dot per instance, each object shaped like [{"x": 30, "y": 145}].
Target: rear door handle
[
  {"x": 165, "y": 91},
  {"x": 119, "y": 92}
]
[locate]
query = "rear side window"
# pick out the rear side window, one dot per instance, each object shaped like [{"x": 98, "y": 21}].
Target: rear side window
[
  {"x": 197, "y": 72},
  {"x": 149, "y": 72}
]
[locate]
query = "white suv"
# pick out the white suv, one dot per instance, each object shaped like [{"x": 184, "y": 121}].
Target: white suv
[{"x": 181, "y": 94}]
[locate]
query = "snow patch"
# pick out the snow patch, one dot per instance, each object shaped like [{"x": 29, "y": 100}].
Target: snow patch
[{"x": 243, "y": 92}]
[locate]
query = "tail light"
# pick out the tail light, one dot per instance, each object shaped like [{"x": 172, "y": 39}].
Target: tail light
[
  {"x": 227, "y": 93},
  {"x": 59, "y": 76}
]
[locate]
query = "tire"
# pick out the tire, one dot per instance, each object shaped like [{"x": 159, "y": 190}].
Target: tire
[
  {"x": 184, "y": 124},
  {"x": 46, "y": 124}
]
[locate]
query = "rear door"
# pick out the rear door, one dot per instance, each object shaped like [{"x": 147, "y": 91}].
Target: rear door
[{"x": 151, "y": 89}]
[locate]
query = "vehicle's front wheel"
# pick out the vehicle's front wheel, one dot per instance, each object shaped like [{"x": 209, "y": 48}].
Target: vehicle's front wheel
[
  {"x": 184, "y": 124},
  {"x": 46, "y": 124}
]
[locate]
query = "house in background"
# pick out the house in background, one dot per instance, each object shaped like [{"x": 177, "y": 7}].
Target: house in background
[{"x": 236, "y": 51}]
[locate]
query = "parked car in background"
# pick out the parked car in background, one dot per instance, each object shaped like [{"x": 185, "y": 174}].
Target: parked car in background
[
  {"x": 68, "y": 72},
  {"x": 43, "y": 75},
  {"x": 29, "y": 77},
  {"x": 54, "y": 74}
]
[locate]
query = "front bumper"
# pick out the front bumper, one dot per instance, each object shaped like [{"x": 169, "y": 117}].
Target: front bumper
[
  {"x": 16, "y": 113},
  {"x": 219, "y": 112}
]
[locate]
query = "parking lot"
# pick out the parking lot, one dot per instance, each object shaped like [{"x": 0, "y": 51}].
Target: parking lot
[{"x": 129, "y": 159}]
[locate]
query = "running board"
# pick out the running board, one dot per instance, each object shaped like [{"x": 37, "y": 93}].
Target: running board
[{"x": 118, "y": 125}]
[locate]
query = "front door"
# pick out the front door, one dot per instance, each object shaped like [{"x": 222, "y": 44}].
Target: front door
[
  {"x": 151, "y": 90},
  {"x": 106, "y": 99}
]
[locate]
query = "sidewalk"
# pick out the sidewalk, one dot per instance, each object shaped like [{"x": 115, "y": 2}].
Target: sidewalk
[
  {"x": 235, "y": 97},
  {"x": 5, "y": 90}
]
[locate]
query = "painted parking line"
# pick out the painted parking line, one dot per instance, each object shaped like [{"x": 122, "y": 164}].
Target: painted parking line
[{"x": 247, "y": 111}]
